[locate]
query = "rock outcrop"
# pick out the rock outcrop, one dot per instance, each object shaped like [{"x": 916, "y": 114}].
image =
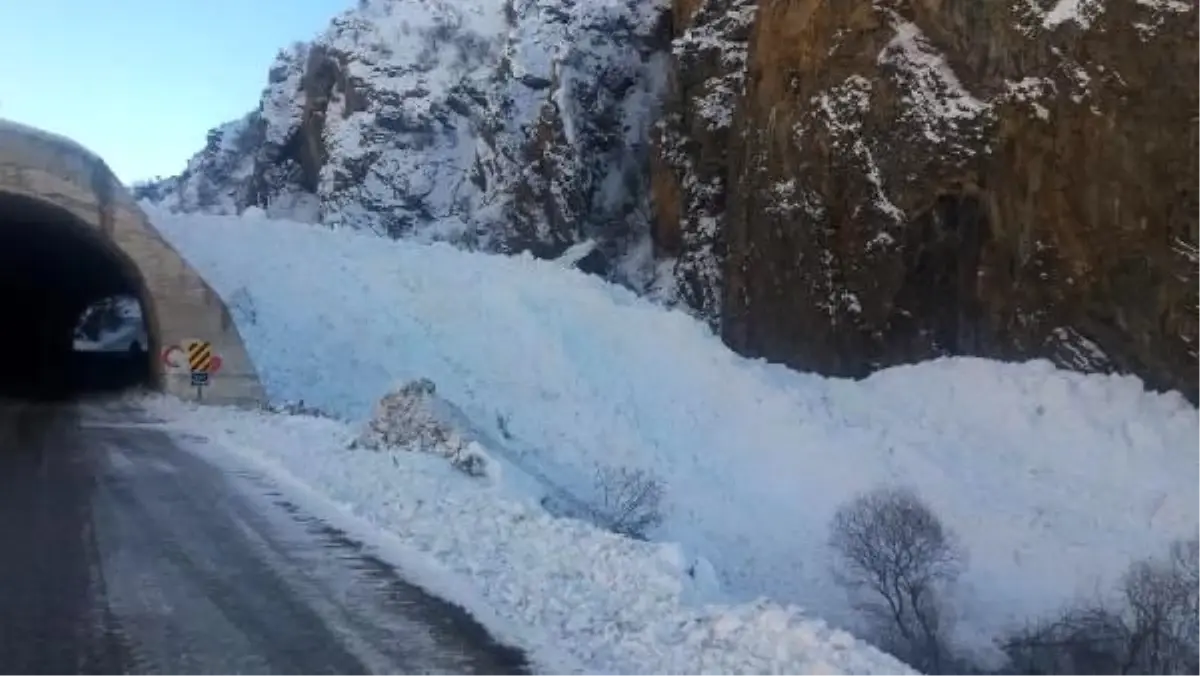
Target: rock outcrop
[
  {"x": 504, "y": 125},
  {"x": 414, "y": 418},
  {"x": 855, "y": 184}
]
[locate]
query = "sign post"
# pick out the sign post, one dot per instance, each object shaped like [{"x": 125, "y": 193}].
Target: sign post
[
  {"x": 196, "y": 358},
  {"x": 199, "y": 381},
  {"x": 200, "y": 361}
]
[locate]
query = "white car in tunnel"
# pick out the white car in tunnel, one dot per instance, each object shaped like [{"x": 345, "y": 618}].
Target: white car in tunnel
[{"x": 113, "y": 324}]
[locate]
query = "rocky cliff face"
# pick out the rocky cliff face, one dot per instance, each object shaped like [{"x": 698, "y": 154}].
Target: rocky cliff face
[
  {"x": 507, "y": 125},
  {"x": 838, "y": 186},
  {"x": 860, "y": 183}
]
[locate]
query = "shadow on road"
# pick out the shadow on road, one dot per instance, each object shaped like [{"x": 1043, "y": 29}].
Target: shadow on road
[
  {"x": 125, "y": 552},
  {"x": 52, "y": 617}
]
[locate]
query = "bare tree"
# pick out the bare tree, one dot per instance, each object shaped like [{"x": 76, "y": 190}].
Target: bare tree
[
  {"x": 1088, "y": 639},
  {"x": 895, "y": 556},
  {"x": 1160, "y": 597},
  {"x": 630, "y": 500},
  {"x": 1152, "y": 630}
]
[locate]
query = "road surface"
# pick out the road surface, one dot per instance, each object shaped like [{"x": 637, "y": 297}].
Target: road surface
[{"x": 121, "y": 552}]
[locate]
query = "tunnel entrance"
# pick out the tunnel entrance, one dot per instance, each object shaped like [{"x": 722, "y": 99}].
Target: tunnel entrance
[{"x": 64, "y": 287}]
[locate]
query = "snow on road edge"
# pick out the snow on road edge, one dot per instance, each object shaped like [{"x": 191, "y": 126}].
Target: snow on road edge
[{"x": 581, "y": 600}]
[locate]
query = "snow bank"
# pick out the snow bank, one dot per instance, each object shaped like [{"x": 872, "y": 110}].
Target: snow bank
[
  {"x": 580, "y": 599},
  {"x": 1054, "y": 480}
]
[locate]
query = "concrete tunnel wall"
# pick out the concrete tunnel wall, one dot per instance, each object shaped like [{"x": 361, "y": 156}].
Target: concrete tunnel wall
[{"x": 179, "y": 305}]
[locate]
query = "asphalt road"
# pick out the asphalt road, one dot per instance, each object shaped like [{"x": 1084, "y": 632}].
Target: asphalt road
[{"x": 121, "y": 552}]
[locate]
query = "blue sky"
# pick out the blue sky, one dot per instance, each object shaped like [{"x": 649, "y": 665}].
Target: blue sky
[{"x": 142, "y": 81}]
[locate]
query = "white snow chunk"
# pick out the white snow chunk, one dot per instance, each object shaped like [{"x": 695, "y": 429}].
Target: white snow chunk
[
  {"x": 1176, "y": 6},
  {"x": 1082, "y": 12},
  {"x": 415, "y": 418},
  {"x": 576, "y": 253}
]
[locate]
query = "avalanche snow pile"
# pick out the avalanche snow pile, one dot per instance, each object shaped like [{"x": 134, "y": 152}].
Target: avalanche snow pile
[
  {"x": 578, "y": 599},
  {"x": 497, "y": 124},
  {"x": 1055, "y": 481}
]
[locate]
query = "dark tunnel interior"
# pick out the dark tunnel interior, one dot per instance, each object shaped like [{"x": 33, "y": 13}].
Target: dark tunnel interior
[{"x": 53, "y": 266}]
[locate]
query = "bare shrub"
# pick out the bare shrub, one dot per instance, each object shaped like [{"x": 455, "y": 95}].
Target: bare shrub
[
  {"x": 1088, "y": 639},
  {"x": 1152, "y": 629},
  {"x": 896, "y": 557},
  {"x": 1160, "y": 599},
  {"x": 299, "y": 408},
  {"x": 502, "y": 426},
  {"x": 630, "y": 500}
]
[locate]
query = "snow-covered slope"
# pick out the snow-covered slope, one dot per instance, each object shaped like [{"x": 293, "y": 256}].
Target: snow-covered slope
[
  {"x": 577, "y": 599},
  {"x": 501, "y": 124},
  {"x": 1056, "y": 481}
]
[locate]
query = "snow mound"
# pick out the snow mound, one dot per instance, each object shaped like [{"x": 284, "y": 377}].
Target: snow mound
[
  {"x": 581, "y": 600},
  {"x": 1055, "y": 480},
  {"x": 415, "y": 418}
]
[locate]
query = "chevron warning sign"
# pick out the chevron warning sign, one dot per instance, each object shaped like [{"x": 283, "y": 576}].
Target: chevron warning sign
[{"x": 200, "y": 356}]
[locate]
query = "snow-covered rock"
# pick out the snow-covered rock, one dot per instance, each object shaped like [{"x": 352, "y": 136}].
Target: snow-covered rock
[
  {"x": 507, "y": 125},
  {"x": 414, "y": 418}
]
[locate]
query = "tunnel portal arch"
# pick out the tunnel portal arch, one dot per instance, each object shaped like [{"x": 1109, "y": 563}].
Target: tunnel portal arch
[{"x": 78, "y": 196}]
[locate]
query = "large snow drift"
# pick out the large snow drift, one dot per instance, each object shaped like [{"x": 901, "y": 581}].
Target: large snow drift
[
  {"x": 1054, "y": 480},
  {"x": 578, "y": 599}
]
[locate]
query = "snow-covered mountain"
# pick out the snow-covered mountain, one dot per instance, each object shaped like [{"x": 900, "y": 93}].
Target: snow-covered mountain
[
  {"x": 836, "y": 186},
  {"x": 505, "y": 125}
]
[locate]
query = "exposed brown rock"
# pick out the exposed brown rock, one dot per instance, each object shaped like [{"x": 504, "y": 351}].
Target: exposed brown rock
[
  {"x": 685, "y": 10},
  {"x": 546, "y": 200},
  {"x": 692, "y": 142},
  {"x": 911, "y": 178}
]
